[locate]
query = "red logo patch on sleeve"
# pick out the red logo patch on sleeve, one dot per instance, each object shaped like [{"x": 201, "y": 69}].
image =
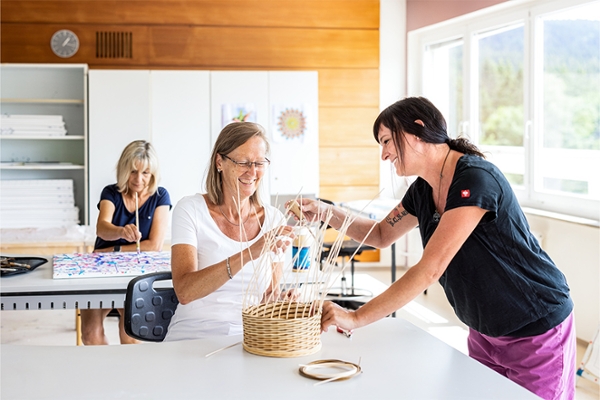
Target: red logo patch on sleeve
[{"x": 465, "y": 193}]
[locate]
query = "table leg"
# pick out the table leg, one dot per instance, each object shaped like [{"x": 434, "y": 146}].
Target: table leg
[
  {"x": 393, "y": 268},
  {"x": 78, "y": 327}
]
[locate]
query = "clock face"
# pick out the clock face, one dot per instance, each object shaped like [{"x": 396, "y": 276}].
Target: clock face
[{"x": 64, "y": 43}]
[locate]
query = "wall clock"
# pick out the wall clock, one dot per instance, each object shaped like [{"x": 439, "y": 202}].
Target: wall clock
[{"x": 64, "y": 43}]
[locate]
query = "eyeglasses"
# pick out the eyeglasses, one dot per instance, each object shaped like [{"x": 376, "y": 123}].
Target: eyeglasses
[{"x": 247, "y": 165}]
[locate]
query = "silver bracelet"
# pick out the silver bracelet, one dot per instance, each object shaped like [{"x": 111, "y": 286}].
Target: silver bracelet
[{"x": 229, "y": 269}]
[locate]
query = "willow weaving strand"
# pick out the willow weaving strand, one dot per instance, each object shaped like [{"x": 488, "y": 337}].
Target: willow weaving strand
[{"x": 289, "y": 326}]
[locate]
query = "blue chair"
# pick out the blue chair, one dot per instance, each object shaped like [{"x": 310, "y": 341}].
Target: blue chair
[{"x": 148, "y": 310}]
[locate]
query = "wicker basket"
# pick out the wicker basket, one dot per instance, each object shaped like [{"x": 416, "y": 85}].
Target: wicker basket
[{"x": 281, "y": 329}]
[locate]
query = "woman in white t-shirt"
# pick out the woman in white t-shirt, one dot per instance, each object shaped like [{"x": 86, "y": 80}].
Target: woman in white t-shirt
[{"x": 218, "y": 239}]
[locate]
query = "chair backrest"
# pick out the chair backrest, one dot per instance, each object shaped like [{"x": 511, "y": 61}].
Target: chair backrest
[{"x": 148, "y": 310}]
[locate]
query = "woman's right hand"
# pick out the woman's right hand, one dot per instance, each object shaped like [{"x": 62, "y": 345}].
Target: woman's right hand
[
  {"x": 131, "y": 233},
  {"x": 335, "y": 315},
  {"x": 312, "y": 210}
]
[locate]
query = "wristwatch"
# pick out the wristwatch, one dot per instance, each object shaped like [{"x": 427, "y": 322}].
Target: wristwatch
[{"x": 117, "y": 248}]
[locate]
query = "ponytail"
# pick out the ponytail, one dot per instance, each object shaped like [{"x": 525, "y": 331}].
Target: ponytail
[{"x": 462, "y": 145}]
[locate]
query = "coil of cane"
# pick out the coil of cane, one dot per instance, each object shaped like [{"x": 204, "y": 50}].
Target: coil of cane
[{"x": 329, "y": 370}]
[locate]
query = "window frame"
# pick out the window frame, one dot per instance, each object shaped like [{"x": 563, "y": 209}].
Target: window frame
[{"x": 467, "y": 28}]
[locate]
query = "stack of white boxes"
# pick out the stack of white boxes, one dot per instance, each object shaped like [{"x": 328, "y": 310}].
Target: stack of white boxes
[
  {"x": 37, "y": 203},
  {"x": 32, "y": 125}
]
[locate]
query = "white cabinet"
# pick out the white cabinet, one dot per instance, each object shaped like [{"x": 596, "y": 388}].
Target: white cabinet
[
  {"x": 47, "y": 89},
  {"x": 294, "y": 160},
  {"x": 181, "y": 129},
  {"x": 268, "y": 95},
  {"x": 119, "y": 114},
  {"x": 181, "y": 113},
  {"x": 240, "y": 90},
  {"x": 168, "y": 108}
]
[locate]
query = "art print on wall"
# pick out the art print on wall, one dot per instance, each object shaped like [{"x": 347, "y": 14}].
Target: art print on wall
[
  {"x": 95, "y": 265},
  {"x": 238, "y": 112},
  {"x": 289, "y": 124}
]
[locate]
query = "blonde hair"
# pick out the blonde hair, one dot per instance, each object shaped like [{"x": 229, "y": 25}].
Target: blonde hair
[
  {"x": 138, "y": 151},
  {"x": 231, "y": 137}
]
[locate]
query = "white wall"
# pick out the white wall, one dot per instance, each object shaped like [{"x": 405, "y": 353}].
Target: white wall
[
  {"x": 575, "y": 248},
  {"x": 392, "y": 70}
]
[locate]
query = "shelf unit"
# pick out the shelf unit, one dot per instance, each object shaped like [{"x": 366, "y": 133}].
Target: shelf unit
[{"x": 48, "y": 89}]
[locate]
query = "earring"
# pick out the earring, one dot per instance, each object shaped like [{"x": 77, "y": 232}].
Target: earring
[{"x": 218, "y": 170}]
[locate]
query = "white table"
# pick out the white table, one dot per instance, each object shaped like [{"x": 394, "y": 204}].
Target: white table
[
  {"x": 398, "y": 360},
  {"x": 37, "y": 290}
]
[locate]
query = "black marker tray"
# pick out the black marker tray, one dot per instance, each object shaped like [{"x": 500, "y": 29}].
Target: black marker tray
[{"x": 33, "y": 263}]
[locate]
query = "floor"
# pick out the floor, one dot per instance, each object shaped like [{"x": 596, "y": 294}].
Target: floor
[{"x": 430, "y": 312}]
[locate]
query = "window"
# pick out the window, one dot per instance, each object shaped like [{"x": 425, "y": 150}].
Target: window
[
  {"x": 444, "y": 82},
  {"x": 522, "y": 81}
]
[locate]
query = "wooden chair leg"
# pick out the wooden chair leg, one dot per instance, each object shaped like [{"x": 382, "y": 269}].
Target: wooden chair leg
[{"x": 78, "y": 327}]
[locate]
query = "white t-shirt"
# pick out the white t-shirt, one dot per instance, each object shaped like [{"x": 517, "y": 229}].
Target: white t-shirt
[{"x": 219, "y": 313}]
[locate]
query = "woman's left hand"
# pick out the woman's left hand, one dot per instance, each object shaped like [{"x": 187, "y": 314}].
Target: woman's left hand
[
  {"x": 289, "y": 295},
  {"x": 282, "y": 239},
  {"x": 285, "y": 295}
]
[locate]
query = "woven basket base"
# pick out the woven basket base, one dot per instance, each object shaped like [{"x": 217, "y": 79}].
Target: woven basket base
[{"x": 281, "y": 330}]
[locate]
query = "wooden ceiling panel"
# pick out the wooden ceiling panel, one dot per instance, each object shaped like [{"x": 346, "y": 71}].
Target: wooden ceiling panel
[{"x": 363, "y": 14}]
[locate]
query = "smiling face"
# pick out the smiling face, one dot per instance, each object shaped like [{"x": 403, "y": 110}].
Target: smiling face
[
  {"x": 244, "y": 178},
  {"x": 402, "y": 161},
  {"x": 389, "y": 151},
  {"x": 139, "y": 178}
]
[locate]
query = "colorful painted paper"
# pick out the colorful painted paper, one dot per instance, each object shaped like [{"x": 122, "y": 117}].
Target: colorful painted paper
[{"x": 94, "y": 265}]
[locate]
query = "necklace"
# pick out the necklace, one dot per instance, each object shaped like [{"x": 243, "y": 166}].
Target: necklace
[
  {"x": 436, "y": 214},
  {"x": 232, "y": 223}
]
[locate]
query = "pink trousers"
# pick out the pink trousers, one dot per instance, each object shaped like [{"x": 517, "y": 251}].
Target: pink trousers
[{"x": 544, "y": 364}]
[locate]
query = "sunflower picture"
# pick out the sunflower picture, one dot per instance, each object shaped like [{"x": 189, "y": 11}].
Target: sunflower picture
[{"x": 291, "y": 123}]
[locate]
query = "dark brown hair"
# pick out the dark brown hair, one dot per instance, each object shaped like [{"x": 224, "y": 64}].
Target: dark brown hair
[{"x": 400, "y": 119}]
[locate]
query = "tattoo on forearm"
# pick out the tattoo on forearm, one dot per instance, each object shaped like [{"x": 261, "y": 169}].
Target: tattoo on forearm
[{"x": 393, "y": 220}]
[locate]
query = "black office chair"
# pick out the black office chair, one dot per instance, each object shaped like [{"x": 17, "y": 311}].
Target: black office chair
[
  {"x": 148, "y": 310},
  {"x": 349, "y": 249}
]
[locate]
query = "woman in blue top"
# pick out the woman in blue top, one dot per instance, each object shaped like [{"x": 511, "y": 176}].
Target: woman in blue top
[
  {"x": 477, "y": 244},
  {"x": 137, "y": 173}
]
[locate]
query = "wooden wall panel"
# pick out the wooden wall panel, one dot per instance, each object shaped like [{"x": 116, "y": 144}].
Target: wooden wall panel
[
  {"x": 264, "y": 48},
  {"x": 348, "y": 166},
  {"x": 30, "y": 43},
  {"x": 347, "y": 126},
  {"x": 203, "y": 47},
  {"x": 337, "y": 38},
  {"x": 355, "y": 14},
  {"x": 349, "y": 193},
  {"x": 349, "y": 87}
]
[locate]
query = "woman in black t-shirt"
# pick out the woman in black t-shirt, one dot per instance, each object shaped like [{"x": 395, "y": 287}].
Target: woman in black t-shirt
[{"x": 477, "y": 244}]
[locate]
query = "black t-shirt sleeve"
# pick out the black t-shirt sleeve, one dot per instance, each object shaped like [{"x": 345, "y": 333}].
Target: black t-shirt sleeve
[{"x": 474, "y": 187}]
